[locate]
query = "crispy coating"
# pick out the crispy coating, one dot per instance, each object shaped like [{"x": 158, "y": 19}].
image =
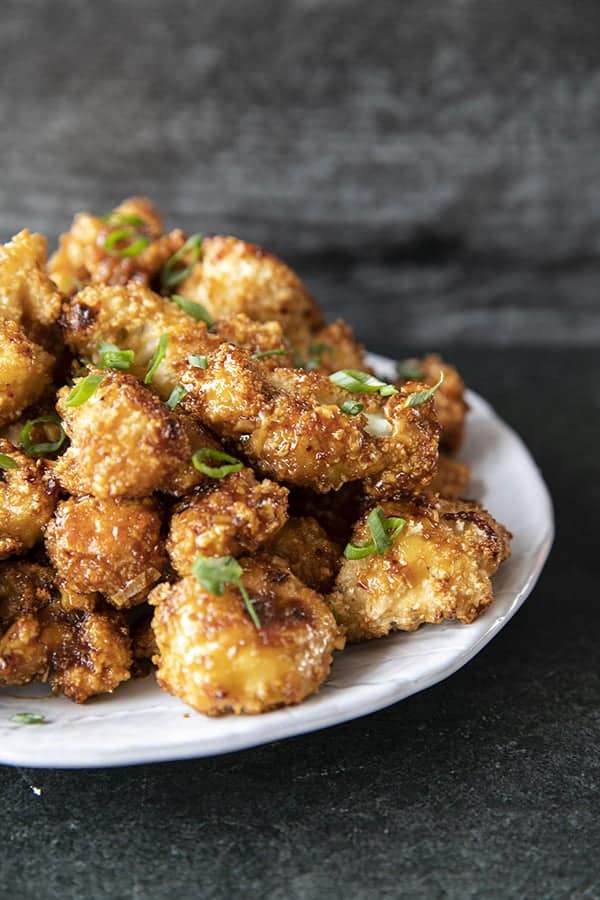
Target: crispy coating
[
  {"x": 256, "y": 338},
  {"x": 311, "y": 555},
  {"x": 27, "y": 295},
  {"x": 124, "y": 442},
  {"x": 212, "y": 656},
  {"x": 25, "y": 588},
  {"x": 110, "y": 546},
  {"x": 25, "y": 371},
  {"x": 82, "y": 258},
  {"x": 449, "y": 399},
  {"x": 231, "y": 516},
  {"x": 290, "y": 425},
  {"x": 438, "y": 568},
  {"x": 332, "y": 348},
  {"x": 451, "y": 479},
  {"x": 27, "y": 501},
  {"x": 234, "y": 276}
]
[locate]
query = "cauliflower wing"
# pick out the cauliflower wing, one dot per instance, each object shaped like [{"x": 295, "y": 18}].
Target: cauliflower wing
[
  {"x": 27, "y": 295},
  {"x": 25, "y": 371},
  {"x": 27, "y": 501},
  {"x": 311, "y": 555}
]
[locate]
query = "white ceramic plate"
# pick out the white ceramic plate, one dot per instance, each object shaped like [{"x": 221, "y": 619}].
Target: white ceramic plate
[{"x": 140, "y": 723}]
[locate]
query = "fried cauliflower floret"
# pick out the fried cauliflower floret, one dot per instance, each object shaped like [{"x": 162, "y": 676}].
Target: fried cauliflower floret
[
  {"x": 438, "y": 568},
  {"x": 290, "y": 425},
  {"x": 450, "y": 404},
  {"x": 332, "y": 348},
  {"x": 124, "y": 442},
  {"x": 234, "y": 515},
  {"x": 83, "y": 256},
  {"x": 27, "y": 295},
  {"x": 214, "y": 658},
  {"x": 311, "y": 555},
  {"x": 25, "y": 371},
  {"x": 23, "y": 655},
  {"x": 233, "y": 276},
  {"x": 27, "y": 501},
  {"x": 110, "y": 546},
  {"x": 451, "y": 479},
  {"x": 25, "y": 589}
]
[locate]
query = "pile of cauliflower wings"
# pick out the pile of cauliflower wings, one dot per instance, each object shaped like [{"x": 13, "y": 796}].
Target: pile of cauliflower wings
[{"x": 199, "y": 475}]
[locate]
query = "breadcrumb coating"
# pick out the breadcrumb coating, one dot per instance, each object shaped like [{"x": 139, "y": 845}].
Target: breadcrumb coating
[
  {"x": 438, "y": 568},
  {"x": 306, "y": 547},
  {"x": 27, "y": 295},
  {"x": 25, "y": 371},
  {"x": 27, "y": 501},
  {"x": 232, "y": 516},
  {"x": 214, "y": 658}
]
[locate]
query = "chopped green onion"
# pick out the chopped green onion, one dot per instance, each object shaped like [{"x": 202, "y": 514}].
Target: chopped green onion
[
  {"x": 159, "y": 355},
  {"x": 82, "y": 392},
  {"x": 422, "y": 396},
  {"x": 215, "y": 572},
  {"x": 264, "y": 354},
  {"x": 352, "y": 407},
  {"x": 138, "y": 242},
  {"x": 198, "y": 361},
  {"x": 7, "y": 462},
  {"x": 27, "y": 718},
  {"x": 171, "y": 275},
  {"x": 177, "y": 394},
  {"x": 361, "y": 382},
  {"x": 333, "y": 609},
  {"x": 192, "y": 308},
  {"x": 384, "y": 532},
  {"x": 115, "y": 358},
  {"x": 408, "y": 372},
  {"x": 120, "y": 219},
  {"x": 206, "y": 453},
  {"x": 42, "y": 448}
]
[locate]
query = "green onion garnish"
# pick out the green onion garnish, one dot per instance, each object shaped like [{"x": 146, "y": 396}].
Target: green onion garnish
[
  {"x": 198, "y": 361},
  {"x": 408, "y": 372},
  {"x": 177, "y": 394},
  {"x": 206, "y": 453},
  {"x": 192, "y": 308},
  {"x": 215, "y": 572},
  {"x": 361, "y": 383},
  {"x": 384, "y": 531},
  {"x": 120, "y": 219},
  {"x": 42, "y": 448},
  {"x": 82, "y": 392},
  {"x": 422, "y": 396},
  {"x": 171, "y": 274},
  {"x": 264, "y": 354},
  {"x": 352, "y": 407},
  {"x": 118, "y": 236},
  {"x": 159, "y": 355},
  {"x": 27, "y": 718},
  {"x": 7, "y": 462},
  {"x": 115, "y": 358}
]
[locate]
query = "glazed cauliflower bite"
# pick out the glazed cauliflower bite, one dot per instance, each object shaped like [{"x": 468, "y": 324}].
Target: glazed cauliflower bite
[
  {"x": 290, "y": 425},
  {"x": 450, "y": 404},
  {"x": 231, "y": 516},
  {"x": 438, "y": 568},
  {"x": 25, "y": 371},
  {"x": 233, "y": 276},
  {"x": 214, "y": 658},
  {"x": 27, "y": 295},
  {"x": 82, "y": 257},
  {"x": 111, "y": 546},
  {"x": 27, "y": 501},
  {"x": 125, "y": 442},
  {"x": 309, "y": 552}
]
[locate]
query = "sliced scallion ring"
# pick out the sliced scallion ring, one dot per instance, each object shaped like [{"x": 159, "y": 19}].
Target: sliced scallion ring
[
  {"x": 157, "y": 358},
  {"x": 86, "y": 388},
  {"x": 384, "y": 531},
  {"x": 352, "y": 407},
  {"x": 421, "y": 397},
  {"x": 201, "y": 462},
  {"x": 7, "y": 462},
  {"x": 177, "y": 394},
  {"x": 361, "y": 383},
  {"x": 115, "y": 358},
  {"x": 194, "y": 309},
  {"x": 118, "y": 236},
  {"x": 172, "y": 274},
  {"x": 40, "y": 449}
]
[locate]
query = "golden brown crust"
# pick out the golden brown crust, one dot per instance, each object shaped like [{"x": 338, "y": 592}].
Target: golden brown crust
[
  {"x": 231, "y": 516},
  {"x": 311, "y": 555},
  {"x": 111, "y": 546},
  {"x": 212, "y": 656},
  {"x": 450, "y": 404},
  {"x": 27, "y": 502},
  {"x": 25, "y": 371},
  {"x": 332, "y": 348},
  {"x": 438, "y": 568},
  {"x": 28, "y": 296}
]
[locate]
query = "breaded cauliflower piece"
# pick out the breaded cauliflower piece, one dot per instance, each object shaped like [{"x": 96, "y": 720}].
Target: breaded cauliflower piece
[
  {"x": 290, "y": 425},
  {"x": 27, "y": 501},
  {"x": 231, "y": 516},
  {"x": 110, "y": 546},
  {"x": 311, "y": 555},
  {"x": 83, "y": 257},
  {"x": 233, "y": 276},
  {"x": 450, "y": 403},
  {"x": 25, "y": 371},
  {"x": 214, "y": 658},
  {"x": 124, "y": 442},
  {"x": 27, "y": 295},
  {"x": 451, "y": 479},
  {"x": 438, "y": 568}
]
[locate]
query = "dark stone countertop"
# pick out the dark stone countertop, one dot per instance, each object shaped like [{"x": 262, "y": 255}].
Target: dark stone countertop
[{"x": 486, "y": 785}]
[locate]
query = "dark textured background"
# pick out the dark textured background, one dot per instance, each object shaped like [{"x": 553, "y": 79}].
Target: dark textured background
[{"x": 432, "y": 171}]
